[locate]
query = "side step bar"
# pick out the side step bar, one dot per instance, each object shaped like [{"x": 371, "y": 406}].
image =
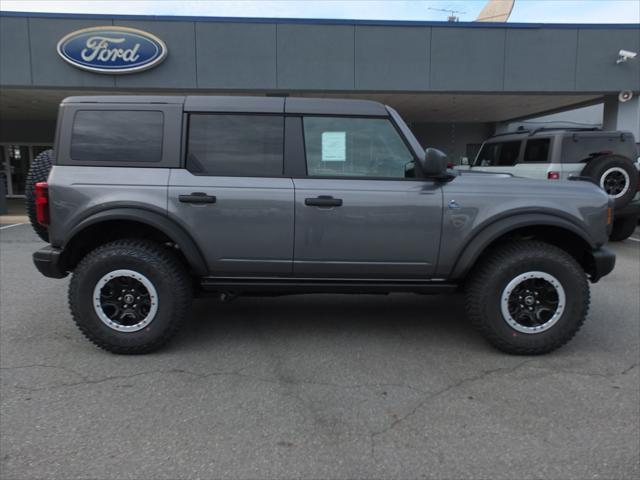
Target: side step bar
[{"x": 323, "y": 285}]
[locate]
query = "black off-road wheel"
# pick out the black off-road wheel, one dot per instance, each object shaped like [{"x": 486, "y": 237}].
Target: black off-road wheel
[
  {"x": 616, "y": 175},
  {"x": 527, "y": 297},
  {"x": 623, "y": 228},
  {"x": 38, "y": 172},
  {"x": 130, "y": 296}
]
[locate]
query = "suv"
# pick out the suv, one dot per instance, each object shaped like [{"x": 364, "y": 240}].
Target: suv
[
  {"x": 607, "y": 158},
  {"x": 152, "y": 200}
]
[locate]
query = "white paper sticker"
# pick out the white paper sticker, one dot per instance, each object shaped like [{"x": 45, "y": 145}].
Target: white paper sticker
[{"x": 334, "y": 146}]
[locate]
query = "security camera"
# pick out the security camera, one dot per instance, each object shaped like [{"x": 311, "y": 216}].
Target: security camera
[{"x": 624, "y": 55}]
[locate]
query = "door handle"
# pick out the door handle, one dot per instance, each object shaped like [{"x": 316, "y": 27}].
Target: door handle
[
  {"x": 197, "y": 197},
  {"x": 323, "y": 201}
]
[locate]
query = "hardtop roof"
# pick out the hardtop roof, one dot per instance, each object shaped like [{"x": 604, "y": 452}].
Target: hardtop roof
[{"x": 249, "y": 104}]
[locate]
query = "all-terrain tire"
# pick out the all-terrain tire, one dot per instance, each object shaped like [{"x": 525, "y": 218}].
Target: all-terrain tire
[
  {"x": 623, "y": 228},
  {"x": 38, "y": 172},
  {"x": 607, "y": 171},
  {"x": 150, "y": 262},
  {"x": 488, "y": 282}
]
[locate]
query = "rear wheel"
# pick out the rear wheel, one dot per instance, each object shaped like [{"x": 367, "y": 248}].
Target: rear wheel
[
  {"x": 130, "y": 296},
  {"x": 527, "y": 298},
  {"x": 616, "y": 175},
  {"x": 623, "y": 228},
  {"x": 38, "y": 172}
]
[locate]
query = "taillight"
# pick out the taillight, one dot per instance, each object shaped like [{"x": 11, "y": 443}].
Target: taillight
[
  {"x": 42, "y": 203},
  {"x": 553, "y": 175}
]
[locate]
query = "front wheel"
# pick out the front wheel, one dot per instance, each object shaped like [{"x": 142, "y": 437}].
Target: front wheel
[
  {"x": 623, "y": 228},
  {"x": 130, "y": 296},
  {"x": 528, "y": 297}
]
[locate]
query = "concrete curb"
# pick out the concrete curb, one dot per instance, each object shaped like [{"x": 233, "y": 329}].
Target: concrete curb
[{"x": 11, "y": 219}]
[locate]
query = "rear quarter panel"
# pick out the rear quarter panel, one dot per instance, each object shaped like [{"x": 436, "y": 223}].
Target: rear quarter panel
[{"x": 77, "y": 192}]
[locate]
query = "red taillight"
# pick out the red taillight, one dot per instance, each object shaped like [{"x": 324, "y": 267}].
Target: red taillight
[
  {"x": 553, "y": 175},
  {"x": 42, "y": 203}
]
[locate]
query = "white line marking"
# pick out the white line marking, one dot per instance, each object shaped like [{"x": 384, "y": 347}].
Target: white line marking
[
  {"x": 9, "y": 226},
  {"x": 634, "y": 239}
]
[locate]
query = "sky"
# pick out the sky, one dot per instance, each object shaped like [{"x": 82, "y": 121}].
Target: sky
[{"x": 534, "y": 11}]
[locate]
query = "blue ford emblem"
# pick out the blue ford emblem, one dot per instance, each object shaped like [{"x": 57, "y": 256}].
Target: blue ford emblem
[{"x": 112, "y": 49}]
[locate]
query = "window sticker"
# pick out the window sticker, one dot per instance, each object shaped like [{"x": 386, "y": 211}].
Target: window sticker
[{"x": 334, "y": 146}]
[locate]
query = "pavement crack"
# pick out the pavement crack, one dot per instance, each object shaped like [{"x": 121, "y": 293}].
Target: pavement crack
[
  {"x": 85, "y": 380},
  {"x": 430, "y": 397}
]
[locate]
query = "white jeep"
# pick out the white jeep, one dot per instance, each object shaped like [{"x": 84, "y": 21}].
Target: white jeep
[{"x": 608, "y": 158}]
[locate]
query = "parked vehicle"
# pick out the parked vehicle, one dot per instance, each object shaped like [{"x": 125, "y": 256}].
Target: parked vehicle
[
  {"x": 607, "y": 158},
  {"x": 152, "y": 200}
]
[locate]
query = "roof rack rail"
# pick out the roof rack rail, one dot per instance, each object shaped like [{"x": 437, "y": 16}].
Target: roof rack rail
[
  {"x": 573, "y": 129},
  {"x": 520, "y": 130}
]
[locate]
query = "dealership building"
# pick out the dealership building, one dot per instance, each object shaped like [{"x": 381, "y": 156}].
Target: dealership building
[{"x": 454, "y": 83}]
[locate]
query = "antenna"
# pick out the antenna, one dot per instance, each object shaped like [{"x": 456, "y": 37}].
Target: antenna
[{"x": 452, "y": 17}]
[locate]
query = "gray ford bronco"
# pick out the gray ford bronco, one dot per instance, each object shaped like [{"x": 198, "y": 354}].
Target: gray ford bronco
[{"x": 150, "y": 201}]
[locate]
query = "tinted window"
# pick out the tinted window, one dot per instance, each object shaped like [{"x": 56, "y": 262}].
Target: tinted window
[
  {"x": 498, "y": 154},
  {"x": 117, "y": 136},
  {"x": 246, "y": 145},
  {"x": 363, "y": 147},
  {"x": 537, "y": 150}
]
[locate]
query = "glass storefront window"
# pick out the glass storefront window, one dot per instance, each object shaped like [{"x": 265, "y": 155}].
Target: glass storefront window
[{"x": 15, "y": 160}]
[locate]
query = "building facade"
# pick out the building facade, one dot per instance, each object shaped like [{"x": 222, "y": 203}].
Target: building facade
[{"x": 455, "y": 84}]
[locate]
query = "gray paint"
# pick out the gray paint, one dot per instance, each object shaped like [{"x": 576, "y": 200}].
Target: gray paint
[
  {"x": 392, "y": 58},
  {"x": 332, "y": 106},
  {"x": 346, "y": 57},
  {"x": 622, "y": 116},
  {"x": 467, "y": 59},
  {"x": 196, "y": 103},
  {"x": 384, "y": 228},
  {"x": 49, "y": 70},
  {"x": 596, "y": 68},
  {"x": 77, "y": 192},
  {"x": 236, "y": 55},
  {"x": 178, "y": 70},
  {"x": 26, "y": 131},
  {"x": 15, "y": 68},
  {"x": 315, "y": 57},
  {"x": 485, "y": 198},
  {"x": 540, "y": 59},
  {"x": 249, "y": 230}
]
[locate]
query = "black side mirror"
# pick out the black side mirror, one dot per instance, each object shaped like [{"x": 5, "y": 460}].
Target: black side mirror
[{"x": 434, "y": 163}]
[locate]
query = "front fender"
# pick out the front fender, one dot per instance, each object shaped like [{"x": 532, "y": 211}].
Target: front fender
[{"x": 488, "y": 233}]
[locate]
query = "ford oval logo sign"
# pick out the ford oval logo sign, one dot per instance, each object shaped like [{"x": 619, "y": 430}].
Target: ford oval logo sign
[{"x": 112, "y": 49}]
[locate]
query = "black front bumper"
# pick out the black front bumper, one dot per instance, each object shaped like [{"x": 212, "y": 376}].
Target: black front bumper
[
  {"x": 603, "y": 262},
  {"x": 48, "y": 261}
]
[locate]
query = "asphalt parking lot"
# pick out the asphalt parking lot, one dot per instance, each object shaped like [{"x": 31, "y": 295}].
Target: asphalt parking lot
[{"x": 315, "y": 387}]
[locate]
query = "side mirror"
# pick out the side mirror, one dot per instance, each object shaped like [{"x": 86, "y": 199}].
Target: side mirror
[
  {"x": 434, "y": 163},
  {"x": 464, "y": 161}
]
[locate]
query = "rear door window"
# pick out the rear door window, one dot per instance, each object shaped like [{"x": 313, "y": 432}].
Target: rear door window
[
  {"x": 537, "y": 150},
  {"x": 117, "y": 136},
  {"x": 235, "y": 145},
  {"x": 498, "y": 154}
]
